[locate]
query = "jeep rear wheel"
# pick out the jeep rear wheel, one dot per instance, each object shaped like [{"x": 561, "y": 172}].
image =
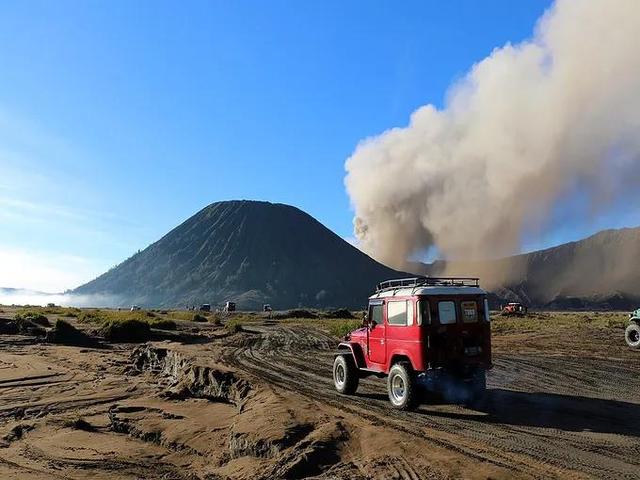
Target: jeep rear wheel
[
  {"x": 632, "y": 335},
  {"x": 401, "y": 386},
  {"x": 345, "y": 374}
]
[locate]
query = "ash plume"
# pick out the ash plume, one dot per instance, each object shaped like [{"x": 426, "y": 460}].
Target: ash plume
[{"x": 528, "y": 126}]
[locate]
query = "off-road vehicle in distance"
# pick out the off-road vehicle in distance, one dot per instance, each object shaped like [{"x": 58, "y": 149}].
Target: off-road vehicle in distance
[
  {"x": 632, "y": 333},
  {"x": 514, "y": 308},
  {"x": 421, "y": 333}
]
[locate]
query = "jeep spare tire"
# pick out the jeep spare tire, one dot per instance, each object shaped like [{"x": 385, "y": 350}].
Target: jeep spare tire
[
  {"x": 345, "y": 374},
  {"x": 632, "y": 335}
]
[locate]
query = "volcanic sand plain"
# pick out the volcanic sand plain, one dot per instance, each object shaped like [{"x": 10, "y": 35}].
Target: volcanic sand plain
[{"x": 209, "y": 402}]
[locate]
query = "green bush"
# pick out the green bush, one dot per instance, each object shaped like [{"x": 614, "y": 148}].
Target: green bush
[
  {"x": 126, "y": 331},
  {"x": 199, "y": 318},
  {"x": 295, "y": 313},
  {"x": 234, "y": 326},
  {"x": 33, "y": 317},
  {"x": 66, "y": 334},
  {"x": 27, "y": 327},
  {"x": 339, "y": 328},
  {"x": 342, "y": 313},
  {"x": 64, "y": 327},
  {"x": 90, "y": 317},
  {"x": 163, "y": 324},
  {"x": 216, "y": 320}
]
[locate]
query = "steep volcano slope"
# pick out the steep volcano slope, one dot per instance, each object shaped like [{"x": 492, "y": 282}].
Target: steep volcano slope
[
  {"x": 600, "y": 271},
  {"x": 249, "y": 252}
]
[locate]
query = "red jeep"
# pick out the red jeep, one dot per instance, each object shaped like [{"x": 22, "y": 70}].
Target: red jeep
[
  {"x": 420, "y": 332},
  {"x": 514, "y": 308}
]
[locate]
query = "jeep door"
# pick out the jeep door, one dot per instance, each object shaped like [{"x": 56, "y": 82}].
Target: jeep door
[{"x": 376, "y": 348}]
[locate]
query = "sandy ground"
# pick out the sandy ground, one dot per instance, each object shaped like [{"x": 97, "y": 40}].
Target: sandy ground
[{"x": 261, "y": 404}]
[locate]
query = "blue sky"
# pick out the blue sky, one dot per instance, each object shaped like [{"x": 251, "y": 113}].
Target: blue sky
[{"x": 118, "y": 120}]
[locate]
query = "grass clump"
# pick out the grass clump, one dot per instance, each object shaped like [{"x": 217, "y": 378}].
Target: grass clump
[
  {"x": 181, "y": 315},
  {"x": 234, "y": 326},
  {"x": 33, "y": 317},
  {"x": 199, "y": 318},
  {"x": 295, "y": 313},
  {"x": 342, "y": 313},
  {"x": 91, "y": 316},
  {"x": 27, "y": 324},
  {"x": 339, "y": 328},
  {"x": 125, "y": 326},
  {"x": 163, "y": 324},
  {"x": 126, "y": 331},
  {"x": 66, "y": 334}
]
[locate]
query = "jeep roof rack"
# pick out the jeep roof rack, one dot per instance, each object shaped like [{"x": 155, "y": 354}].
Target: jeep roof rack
[{"x": 427, "y": 281}]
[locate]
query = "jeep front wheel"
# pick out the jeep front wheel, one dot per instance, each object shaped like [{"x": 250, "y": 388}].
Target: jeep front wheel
[
  {"x": 401, "y": 386},
  {"x": 632, "y": 335},
  {"x": 345, "y": 374}
]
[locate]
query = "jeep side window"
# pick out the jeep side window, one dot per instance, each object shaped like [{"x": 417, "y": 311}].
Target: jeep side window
[
  {"x": 397, "y": 312},
  {"x": 447, "y": 312},
  {"x": 375, "y": 313},
  {"x": 424, "y": 315},
  {"x": 469, "y": 312}
]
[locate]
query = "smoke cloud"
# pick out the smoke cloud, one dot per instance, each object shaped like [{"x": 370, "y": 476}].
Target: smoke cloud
[{"x": 528, "y": 125}]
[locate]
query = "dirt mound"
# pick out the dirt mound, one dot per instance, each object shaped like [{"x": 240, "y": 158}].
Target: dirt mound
[
  {"x": 126, "y": 331},
  {"x": 186, "y": 379},
  {"x": 33, "y": 317},
  {"x": 295, "y": 313},
  {"x": 66, "y": 334},
  {"x": 21, "y": 325},
  {"x": 341, "y": 313}
]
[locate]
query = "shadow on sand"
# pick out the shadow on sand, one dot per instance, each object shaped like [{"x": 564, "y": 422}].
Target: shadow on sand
[{"x": 572, "y": 413}]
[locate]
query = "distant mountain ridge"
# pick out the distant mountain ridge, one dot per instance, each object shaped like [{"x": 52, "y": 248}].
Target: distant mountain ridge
[
  {"x": 259, "y": 252},
  {"x": 249, "y": 252},
  {"x": 600, "y": 271}
]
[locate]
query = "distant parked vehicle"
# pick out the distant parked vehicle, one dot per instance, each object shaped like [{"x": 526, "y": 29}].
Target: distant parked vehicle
[
  {"x": 205, "y": 307},
  {"x": 266, "y": 308},
  {"x": 632, "y": 333},
  {"x": 514, "y": 308},
  {"x": 229, "y": 307},
  {"x": 135, "y": 308}
]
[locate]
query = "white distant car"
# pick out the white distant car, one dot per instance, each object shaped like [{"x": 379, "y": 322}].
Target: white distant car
[{"x": 134, "y": 308}]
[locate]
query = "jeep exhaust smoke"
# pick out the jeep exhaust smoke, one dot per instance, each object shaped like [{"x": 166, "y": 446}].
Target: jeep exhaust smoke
[{"x": 555, "y": 117}]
